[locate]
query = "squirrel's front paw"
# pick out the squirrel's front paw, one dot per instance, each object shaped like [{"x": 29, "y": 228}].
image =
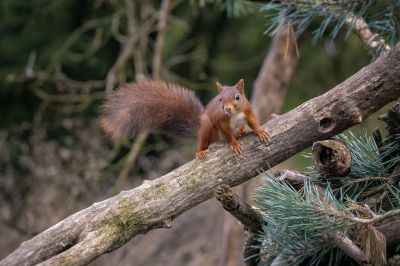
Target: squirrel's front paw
[
  {"x": 264, "y": 136},
  {"x": 201, "y": 154},
  {"x": 237, "y": 149}
]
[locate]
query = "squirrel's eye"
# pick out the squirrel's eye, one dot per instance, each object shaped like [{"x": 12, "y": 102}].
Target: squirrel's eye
[
  {"x": 220, "y": 99},
  {"x": 237, "y": 97}
]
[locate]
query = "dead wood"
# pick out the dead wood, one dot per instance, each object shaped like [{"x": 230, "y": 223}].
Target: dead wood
[
  {"x": 331, "y": 157},
  {"x": 107, "y": 225}
]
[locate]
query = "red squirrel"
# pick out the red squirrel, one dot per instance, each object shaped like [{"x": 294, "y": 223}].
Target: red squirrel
[{"x": 157, "y": 106}]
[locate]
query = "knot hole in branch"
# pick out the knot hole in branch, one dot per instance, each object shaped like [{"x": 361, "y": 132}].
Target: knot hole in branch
[{"x": 326, "y": 124}]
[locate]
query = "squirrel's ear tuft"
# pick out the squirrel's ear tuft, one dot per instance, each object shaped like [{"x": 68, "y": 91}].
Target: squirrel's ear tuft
[
  {"x": 240, "y": 85},
  {"x": 219, "y": 86}
]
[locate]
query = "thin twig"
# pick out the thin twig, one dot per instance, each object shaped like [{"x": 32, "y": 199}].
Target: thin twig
[
  {"x": 161, "y": 28},
  {"x": 115, "y": 22},
  {"x": 126, "y": 53},
  {"x": 367, "y": 179},
  {"x": 374, "y": 191},
  {"x": 132, "y": 156},
  {"x": 368, "y": 209},
  {"x": 293, "y": 177},
  {"x": 130, "y": 15},
  {"x": 16, "y": 228},
  {"x": 377, "y": 218}
]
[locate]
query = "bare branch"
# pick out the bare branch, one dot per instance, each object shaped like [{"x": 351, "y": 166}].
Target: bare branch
[
  {"x": 251, "y": 220},
  {"x": 113, "y": 222},
  {"x": 242, "y": 211},
  {"x": 361, "y": 28},
  {"x": 377, "y": 218},
  {"x": 140, "y": 140},
  {"x": 161, "y": 28},
  {"x": 128, "y": 47},
  {"x": 293, "y": 177},
  {"x": 348, "y": 247}
]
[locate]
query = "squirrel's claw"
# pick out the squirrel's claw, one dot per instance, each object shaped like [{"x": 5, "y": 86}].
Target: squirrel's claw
[
  {"x": 264, "y": 136},
  {"x": 201, "y": 154},
  {"x": 237, "y": 149}
]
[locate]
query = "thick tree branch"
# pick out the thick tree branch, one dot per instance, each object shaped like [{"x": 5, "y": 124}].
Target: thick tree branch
[
  {"x": 242, "y": 211},
  {"x": 111, "y": 223}
]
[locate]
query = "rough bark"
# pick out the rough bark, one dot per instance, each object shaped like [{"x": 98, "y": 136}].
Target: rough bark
[
  {"x": 348, "y": 247},
  {"x": 392, "y": 120},
  {"x": 239, "y": 209},
  {"x": 107, "y": 225}
]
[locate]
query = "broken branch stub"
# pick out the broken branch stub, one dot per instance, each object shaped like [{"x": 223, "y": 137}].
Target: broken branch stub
[{"x": 331, "y": 157}]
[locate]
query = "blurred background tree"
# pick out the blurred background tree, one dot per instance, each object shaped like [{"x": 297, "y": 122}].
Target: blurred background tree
[{"x": 59, "y": 58}]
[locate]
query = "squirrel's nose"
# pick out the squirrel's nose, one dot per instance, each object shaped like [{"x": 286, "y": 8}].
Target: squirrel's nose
[{"x": 228, "y": 110}]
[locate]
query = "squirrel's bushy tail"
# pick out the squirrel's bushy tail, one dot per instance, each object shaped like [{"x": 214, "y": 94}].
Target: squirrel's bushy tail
[{"x": 151, "y": 106}]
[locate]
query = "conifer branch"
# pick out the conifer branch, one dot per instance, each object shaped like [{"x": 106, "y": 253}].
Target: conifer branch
[
  {"x": 109, "y": 224},
  {"x": 360, "y": 27},
  {"x": 337, "y": 13}
]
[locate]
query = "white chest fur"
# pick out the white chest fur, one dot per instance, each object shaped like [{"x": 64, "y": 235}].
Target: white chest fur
[{"x": 237, "y": 121}]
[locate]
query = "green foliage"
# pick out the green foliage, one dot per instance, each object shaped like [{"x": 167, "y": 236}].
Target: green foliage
[
  {"x": 367, "y": 161},
  {"x": 298, "y": 220},
  {"x": 293, "y": 226},
  {"x": 367, "y": 158},
  {"x": 382, "y": 18}
]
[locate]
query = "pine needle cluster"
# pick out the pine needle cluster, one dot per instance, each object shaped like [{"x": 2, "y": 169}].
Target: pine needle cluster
[
  {"x": 298, "y": 221},
  {"x": 382, "y": 17}
]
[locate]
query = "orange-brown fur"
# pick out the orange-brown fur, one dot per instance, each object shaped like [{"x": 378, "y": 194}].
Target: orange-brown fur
[
  {"x": 152, "y": 106},
  {"x": 215, "y": 121},
  {"x": 156, "y": 106}
]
